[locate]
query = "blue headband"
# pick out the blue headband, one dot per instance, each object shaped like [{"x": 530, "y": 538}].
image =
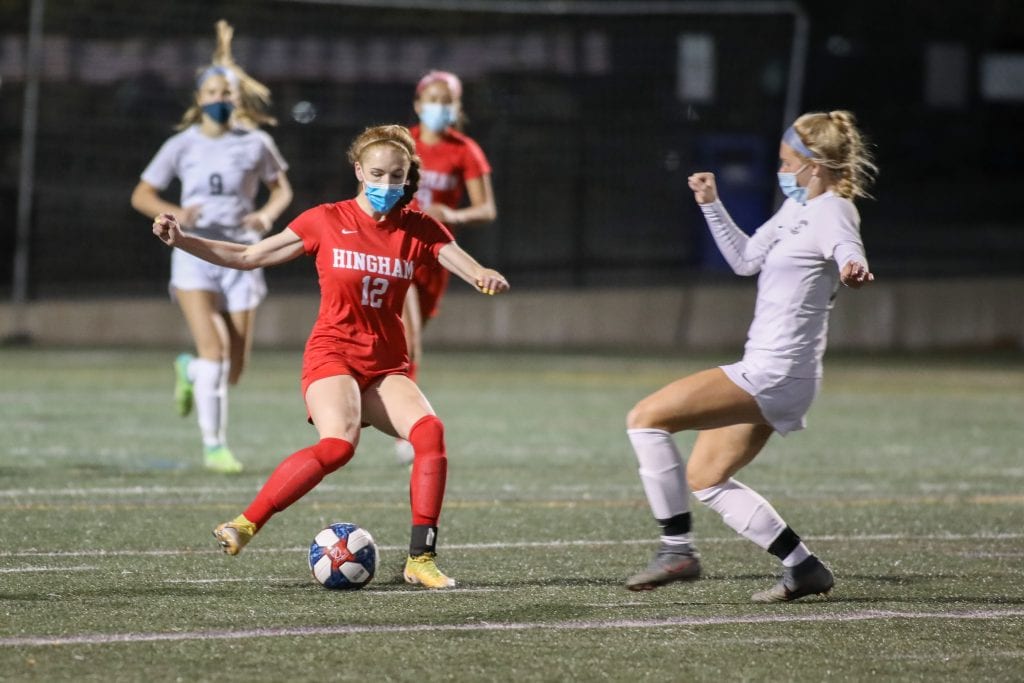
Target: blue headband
[
  {"x": 792, "y": 138},
  {"x": 216, "y": 71}
]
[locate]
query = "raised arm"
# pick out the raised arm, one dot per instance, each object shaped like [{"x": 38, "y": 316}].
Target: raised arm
[
  {"x": 278, "y": 248},
  {"x": 743, "y": 253},
  {"x": 485, "y": 280}
]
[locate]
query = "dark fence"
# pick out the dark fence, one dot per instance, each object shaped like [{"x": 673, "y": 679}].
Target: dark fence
[{"x": 592, "y": 122}]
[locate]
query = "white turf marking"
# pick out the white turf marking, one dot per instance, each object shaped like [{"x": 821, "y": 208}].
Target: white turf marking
[
  {"x": 501, "y": 545},
  {"x": 19, "y": 570},
  {"x": 864, "y": 615},
  {"x": 374, "y": 591},
  {"x": 188, "y": 491}
]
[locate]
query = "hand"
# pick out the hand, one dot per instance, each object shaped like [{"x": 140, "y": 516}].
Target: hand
[
  {"x": 491, "y": 282},
  {"x": 855, "y": 275},
  {"x": 167, "y": 229},
  {"x": 258, "y": 222},
  {"x": 703, "y": 186}
]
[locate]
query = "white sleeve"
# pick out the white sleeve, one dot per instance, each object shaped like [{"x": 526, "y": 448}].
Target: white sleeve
[
  {"x": 744, "y": 253},
  {"x": 271, "y": 161},
  {"x": 841, "y": 237},
  {"x": 163, "y": 168}
]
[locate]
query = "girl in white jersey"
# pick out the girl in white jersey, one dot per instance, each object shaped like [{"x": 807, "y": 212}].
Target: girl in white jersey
[
  {"x": 810, "y": 246},
  {"x": 221, "y": 157}
]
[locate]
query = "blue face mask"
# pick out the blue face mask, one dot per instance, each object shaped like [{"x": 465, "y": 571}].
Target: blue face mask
[
  {"x": 437, "y": 116},
  {"x": 383, "y": 197},
  {"x": 790, "y": 188},
  {"x": 219, "y": 111}
]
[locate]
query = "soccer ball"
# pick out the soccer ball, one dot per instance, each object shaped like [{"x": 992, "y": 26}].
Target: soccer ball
[{"x": 343, "y": 556}]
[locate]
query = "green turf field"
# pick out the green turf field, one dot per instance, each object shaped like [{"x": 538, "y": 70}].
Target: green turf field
[{"x": 909, "y": 481}]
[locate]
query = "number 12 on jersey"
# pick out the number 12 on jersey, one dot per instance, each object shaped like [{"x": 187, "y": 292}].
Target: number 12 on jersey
[{"x": 373, "y": 291}]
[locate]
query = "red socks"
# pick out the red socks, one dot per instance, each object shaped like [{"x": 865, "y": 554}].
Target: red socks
[
  {"x": 296, "y": 476},
  {"x": 429, "y": 470},
  {"x": 301, "y": 471}
]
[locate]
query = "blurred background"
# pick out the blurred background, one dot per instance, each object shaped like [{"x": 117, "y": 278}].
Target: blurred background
[{"x": 591, "y": 113}]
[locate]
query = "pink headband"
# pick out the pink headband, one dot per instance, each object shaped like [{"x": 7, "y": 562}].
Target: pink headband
[{"x": 448, "y": 78}]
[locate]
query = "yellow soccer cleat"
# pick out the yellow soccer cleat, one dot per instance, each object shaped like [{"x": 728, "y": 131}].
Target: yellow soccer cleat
[
  {"x": 234, "y": 535},
  {"x": 423, "y": 570}
]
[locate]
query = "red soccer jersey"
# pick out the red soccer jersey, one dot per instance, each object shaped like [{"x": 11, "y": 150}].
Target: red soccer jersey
[
  {"x": 446, "y": 166},
  {"x": 364, "y": 268}
]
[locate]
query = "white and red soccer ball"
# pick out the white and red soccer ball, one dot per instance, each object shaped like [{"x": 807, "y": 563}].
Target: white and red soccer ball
[{"x": 343, "y": 556}]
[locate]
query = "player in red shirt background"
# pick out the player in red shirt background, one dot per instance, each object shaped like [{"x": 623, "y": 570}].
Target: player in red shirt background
[
  {"x": 452, "y": 167},
  {"x": 355, "y": 368}
]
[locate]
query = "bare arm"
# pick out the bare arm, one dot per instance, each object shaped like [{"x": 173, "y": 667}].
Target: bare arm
[
  {"x": 485, "y": 280},
  {"x": 280, "y": 197},
  {"x": 147, "y": 201},
  {"x": 481, "y": 209},
  {"x": 270, "y": 251}
]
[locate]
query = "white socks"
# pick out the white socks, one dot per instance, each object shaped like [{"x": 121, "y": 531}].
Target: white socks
[
  {"x": 664, "y": 480},
  {"x": 754, "y": 518},
  {"x": 222, "y": 431},
  {"x": 209, "y": 379}
]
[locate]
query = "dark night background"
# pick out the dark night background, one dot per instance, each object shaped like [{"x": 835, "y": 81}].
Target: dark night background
[{"x": 577, "y": 112}]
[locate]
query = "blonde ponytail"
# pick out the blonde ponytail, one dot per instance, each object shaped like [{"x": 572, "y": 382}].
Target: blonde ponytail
[
  {"x": 253, "y": 96},
  {"x": 838, "y": 145}
]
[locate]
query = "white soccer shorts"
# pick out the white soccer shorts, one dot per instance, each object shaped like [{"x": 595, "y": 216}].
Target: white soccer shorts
[
  {"x": 784, "y": 401},
  {"x": 239, "y": 290}
]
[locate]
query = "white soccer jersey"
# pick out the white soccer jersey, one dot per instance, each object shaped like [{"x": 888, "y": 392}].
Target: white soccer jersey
[
  {"x": 798, "y": 253},
  {"x": 220, "y": 174}
]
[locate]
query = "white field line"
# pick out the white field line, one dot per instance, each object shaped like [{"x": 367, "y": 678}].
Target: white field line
[
  {"x": 502, "y": 545},
  {"x": 26, "y": 570},
  {"x": 187, "y": 491},
  {"x": 364, "y": 591},
  {"x": 817, "y": 493},
  {"x": 673, "y": 622}
]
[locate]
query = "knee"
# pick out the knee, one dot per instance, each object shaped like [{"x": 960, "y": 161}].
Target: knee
[
  {"x": 333, "y": 453},
  {"x": 427, "y": 436},
  {"x": 642, "y": 416},
  {"x": 703, "y": 477}
]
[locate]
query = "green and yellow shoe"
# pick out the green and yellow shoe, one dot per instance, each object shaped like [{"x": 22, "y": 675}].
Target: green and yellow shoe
[
  {"x": 234, "y": 535},
  {"x": 423, "y": 570},
  {"x": 182, "y": 384},
  {"x": 220, "y": 459}
]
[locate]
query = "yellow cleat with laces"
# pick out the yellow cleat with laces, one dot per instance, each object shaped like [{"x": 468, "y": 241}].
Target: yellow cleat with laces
[
  {"x": 422, "y": 570},
  {"x": 234, "y": 535}
]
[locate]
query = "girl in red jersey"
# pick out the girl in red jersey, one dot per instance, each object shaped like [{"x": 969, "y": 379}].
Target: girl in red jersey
[
  {"x": 355, "y": 368},
  {"x": 452, "y": 167}
]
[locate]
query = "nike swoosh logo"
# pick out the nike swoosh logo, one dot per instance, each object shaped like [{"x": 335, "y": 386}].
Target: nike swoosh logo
[{"x": 348, "y": 232}]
